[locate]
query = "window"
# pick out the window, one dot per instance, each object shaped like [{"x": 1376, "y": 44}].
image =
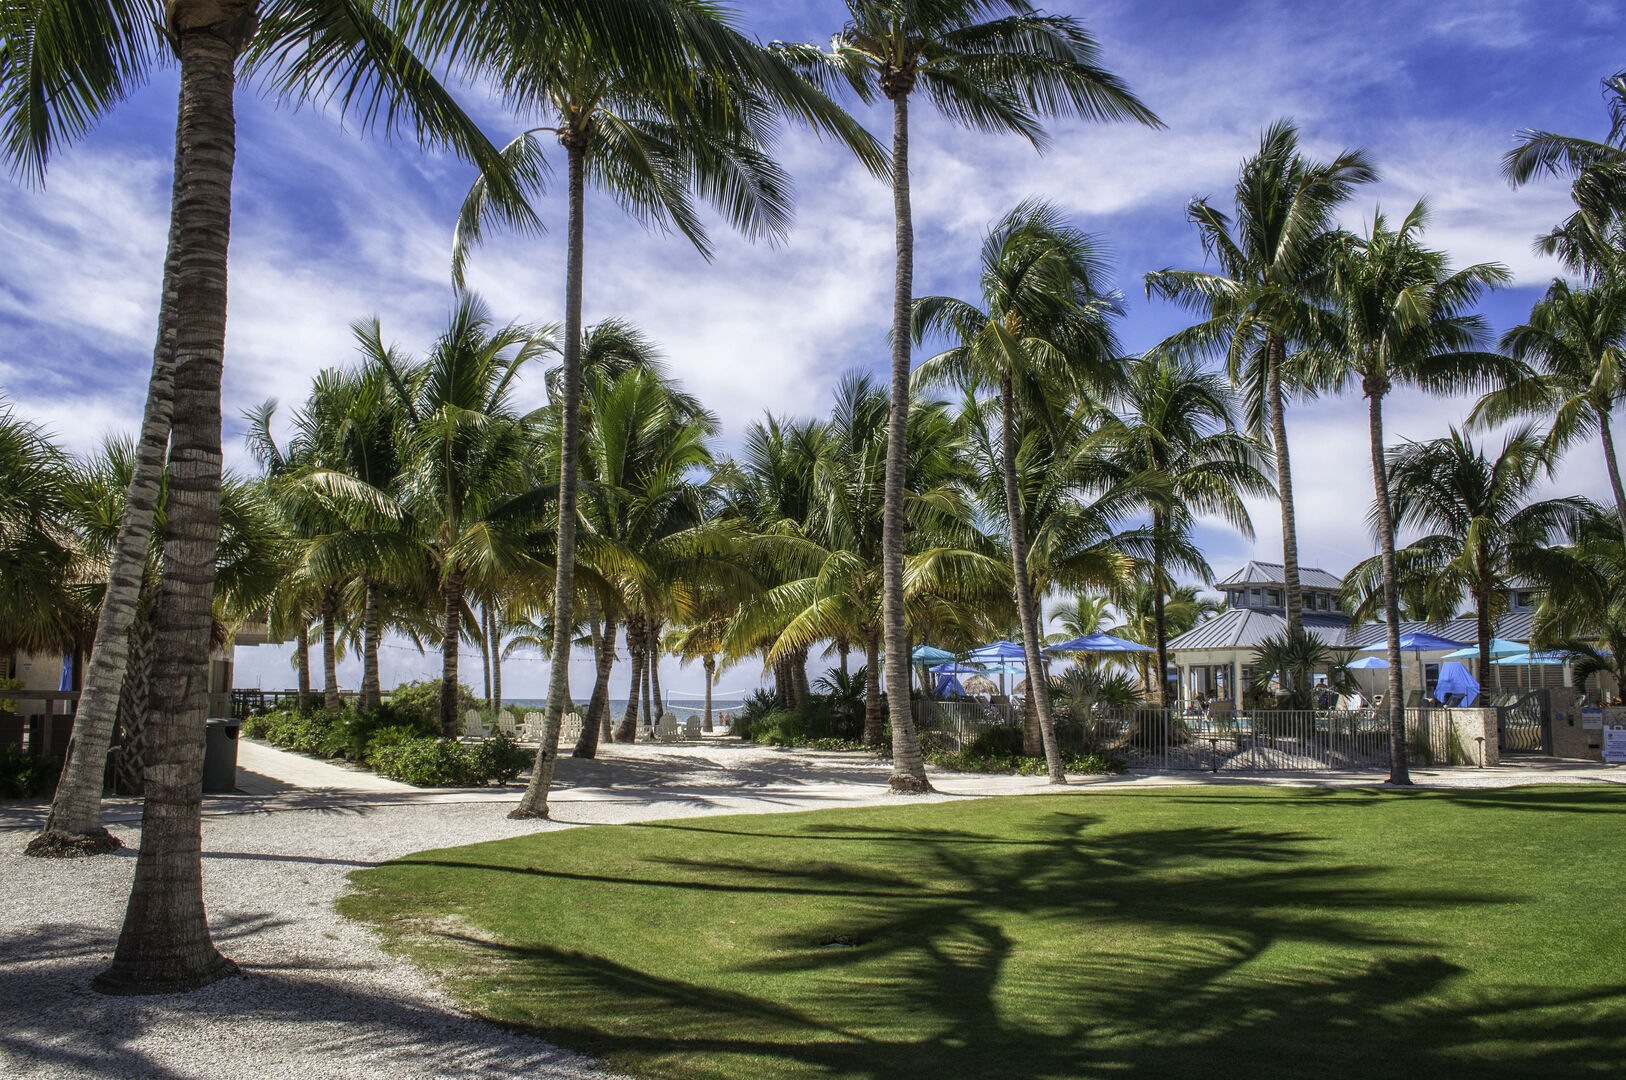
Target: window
[
  {"x": 1254, "y": 595},
  {"x": 1275, "y": 598},
  {"x": 1523, "y": 600}
]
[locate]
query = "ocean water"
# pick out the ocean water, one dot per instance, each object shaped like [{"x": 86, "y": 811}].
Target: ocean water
[{"x": 680, "y": 708}]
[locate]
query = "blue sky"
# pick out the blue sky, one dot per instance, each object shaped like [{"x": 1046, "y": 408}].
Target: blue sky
[{"x": 330, "y": 226}]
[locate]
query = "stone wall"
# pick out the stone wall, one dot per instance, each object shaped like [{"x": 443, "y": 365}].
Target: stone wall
[{"x": 1571, "y": 737}]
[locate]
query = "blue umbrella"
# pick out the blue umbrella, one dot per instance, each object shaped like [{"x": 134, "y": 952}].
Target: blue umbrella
[
  {"x": 1527, "y": 659},
  {"x": 1101, "y": 643},
  {"x": 998, "y": 650},
  {"x": 927, "y": 654},
  {"x": 1418, "y": 641},
  {"x": 1498, "y": 647},
  {"x": 1367, "y": 663}
]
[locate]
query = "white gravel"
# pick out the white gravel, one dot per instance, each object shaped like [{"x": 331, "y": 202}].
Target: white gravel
[{"x": 318, "y": 998}]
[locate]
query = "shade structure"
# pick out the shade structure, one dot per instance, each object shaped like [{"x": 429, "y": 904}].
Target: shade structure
[
  {"x": 1100, "y": 643},
  {"x": 1418, "y": 641},
  {"x": 1498, "y": 647},
  {"x": 1455, "y": 680},
  {"x": 980, "y": 684},
  {"x": 1540, "y": 659},
  {"x": 998, "y": 650},
  {"x": 959, "y": 668},
  {"x": 1367, "y": 663},
  {"x": 927, "y": 654}
]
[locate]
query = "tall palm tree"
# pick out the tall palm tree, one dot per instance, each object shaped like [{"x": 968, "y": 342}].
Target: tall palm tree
[
  {"x": 992, "y": 65},
  {"x": 1403, "y": 317},
  {"x": 1136, "y": 606},
  {"x": 471, "y": 478},
  {"x": 650, "y": 137},
  {"x": 1042, "y": 336},
  {"x": 1485, "y": 531},
  {"x": 40, "y": 559},
  {"x": 1576, "y": 338},
  {"x": 1176, "y": 424},
  {"x": 1261, "y": 302}
]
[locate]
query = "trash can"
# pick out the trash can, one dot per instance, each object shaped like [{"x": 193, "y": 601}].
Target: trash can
[{"x": 220, "y": 755}]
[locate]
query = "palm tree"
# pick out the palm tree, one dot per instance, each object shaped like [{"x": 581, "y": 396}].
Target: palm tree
[
  {"x": 1404, "y": 317},
  {"x": 1176, "y": 425},
  {"x": 1261, "y": 302},
  {"x": 40, "y": 560},
  {"x": 999, "y": 74},
  {"x": 1136, "y": 605},
  {"x": 1485, "y": 531},
  {"x": 1577, "y": 340},
  {"x": 1043, "y": 336}
]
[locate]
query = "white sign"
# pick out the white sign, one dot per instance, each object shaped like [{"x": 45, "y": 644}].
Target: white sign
[
  {"x": 1592, "y": 718},
  {"x": 1614, "y": 744}
]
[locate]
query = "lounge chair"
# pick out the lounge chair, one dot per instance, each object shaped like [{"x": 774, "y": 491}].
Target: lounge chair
[
  {"x": 691, "y": 729},
  {"x": 473, "y": 726},
  {"x": 505, "y": 724}
]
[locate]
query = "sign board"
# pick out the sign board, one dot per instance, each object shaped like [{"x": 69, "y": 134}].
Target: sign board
[
  {"x": 1614, "y": 744},
  {"x": 1592, "y": 718}
]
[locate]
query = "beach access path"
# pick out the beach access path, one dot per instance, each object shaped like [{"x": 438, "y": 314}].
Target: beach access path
[{"x": 318, "y": 997}]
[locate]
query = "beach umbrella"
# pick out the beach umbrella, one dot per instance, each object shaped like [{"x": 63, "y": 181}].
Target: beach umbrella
[
  {"x": 1100, "y": 643},
  {"x": 1527, "y": 659},
  {"x": 926, "y": 654},
  {"x": 1367, "y": 663},
  {"x": 1417, "y": 642},
  {"x": 1498, "y": 647},
  {"x": 1001, "y": 650}
]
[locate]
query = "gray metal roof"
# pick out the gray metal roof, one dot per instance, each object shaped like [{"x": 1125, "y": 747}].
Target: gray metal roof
[
  {"x": 1246, "y": 628},
  {"x": 1259, "y": 573}
]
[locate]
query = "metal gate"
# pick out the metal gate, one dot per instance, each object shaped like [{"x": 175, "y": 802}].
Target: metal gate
[{"x": 1525, "y": 727}]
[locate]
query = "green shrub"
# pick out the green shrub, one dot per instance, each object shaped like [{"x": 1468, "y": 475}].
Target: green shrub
[
  {"x": 382, "y": 737},
  {"x": 418, "y": 704},
  {"x": 498, "y": 760},
  {"x": 24, "y": 776},
  {"x": 814, "y": 721},
  {"x": 9, "y": 705},
  {"x": 985, "y": 755},
  {"x": 425, "y": 763}
]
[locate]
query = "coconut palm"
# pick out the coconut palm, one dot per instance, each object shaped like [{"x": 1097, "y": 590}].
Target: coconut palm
[
  {"x": 992, "y": 65},
  {"x": 1485, "y": 531},
  {"x": 1403, "y": 317},
  {"x": 40, "y": 560},
  {"x": 1576, "y": 340},
  {"x": 1175, "y": 423},
  {"x": 1260, "y": 305},
  {"x": 1042, "y": 335}
]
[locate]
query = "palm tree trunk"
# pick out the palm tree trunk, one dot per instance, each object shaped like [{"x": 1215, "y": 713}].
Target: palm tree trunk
[
  {"x": 535, "y": 801},
  {"x": 1399, "y": 773},
  {"x": 1277, "y": 356},
  {"x": 908, "y": 768},
  {"x": 164, "y": 944},
  {"x": 843, "y": 648},
  {"x": 1160, "y": 632},
  {"x": 1026, "y": 609},
  {"x": 1610, "y": 464},
  {"x": 798, "y": 674},
  {"x": 485, "y": 651},
  {"x": 74, "y": 825},
  {"x": 874, "y": 721},
  {"x": 372, "y": 694},
  {"x": 709, "y": 663},
  {"x": 649, "y": 664},
  {"x": 302, "y": 661},
  {"x": 657, "y": 704},
  {"x": 628, "y": 731},
  {"x": 330, "y": 650},
  {"x": 1484, "y": 624},
  {"x": 597, "y": 724},
  {"x": 496, "y": 657},
  {"x": 451, "y": 629}
]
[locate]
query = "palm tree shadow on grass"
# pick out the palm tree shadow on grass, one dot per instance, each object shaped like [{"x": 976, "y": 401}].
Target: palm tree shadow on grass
[{"x": 932, "y": 970}]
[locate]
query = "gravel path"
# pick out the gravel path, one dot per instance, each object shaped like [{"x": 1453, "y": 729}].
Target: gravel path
[{"x": 319, "y": 999}]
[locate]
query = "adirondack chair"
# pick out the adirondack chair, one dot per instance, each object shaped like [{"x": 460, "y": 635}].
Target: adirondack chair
[
  {"x": 570, "y": 728},
  {"x": 505, "y": 724},
  {"x": 666, "y": 730},
  {"x": 473, "y": 726},
  {"x": 691, "y": 728},
  {"x": 532, "y": 727}
]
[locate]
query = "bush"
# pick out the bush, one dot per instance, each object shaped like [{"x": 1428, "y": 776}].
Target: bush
[
  {"x": 383, "y": 737},
  {"x": 988, "y": 759},
  {"x": 418, "y": 704},
  {"x": 498, "y": 760},
  {"x": 425, "y": 763},
  {"x": 814, "y": 722},
  {"x": 24, "y": 776}
]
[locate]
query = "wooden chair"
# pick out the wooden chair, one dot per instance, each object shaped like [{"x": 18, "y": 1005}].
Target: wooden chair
[
  {"x": 691, "y": 729},
  {"x": 666, "y": 730},
  {"x": 505, "y": 724},
  {"x": 473, "y": 726},
  {"x": 531, "y": 727}
]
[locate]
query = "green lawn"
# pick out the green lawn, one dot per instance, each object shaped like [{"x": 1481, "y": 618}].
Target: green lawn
[{"x": 1202, "y": 933}]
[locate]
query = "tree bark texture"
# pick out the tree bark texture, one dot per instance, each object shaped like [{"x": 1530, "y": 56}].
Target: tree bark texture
[
  {"x": 1026, "y": 607},
  {"x": 1276, "y": 350},
  {"x": 535, "y": 801},
  {"x": 164, "y": 944},
  {"x": 330, "y": 650},
  {"x": 628, "y": 731},
  {"x": 1399, "y": 772},
  {"x": 709, "y": 663},
  {"x": 908, "y": 768},
  {"x": 656, "y": 703},
  {"x": 874, "y": 718},
  {"x": 302, "y": 661},
  {"x": 451, "y": 629},
  {"x": 596, "y": 723},
  {"x": 1612, "y": 466},
  {"x": 1160, "y": 632},
  {"x": 372, "y": 695},
  {"x": 496, "y": 657}
]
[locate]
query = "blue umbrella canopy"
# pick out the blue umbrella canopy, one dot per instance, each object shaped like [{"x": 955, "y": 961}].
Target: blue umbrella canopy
[
  {"x": 1367, "y": 663},
  {"x": 1101, "y": 643},
  {"x": 998, "y": 650},
  {"x": 1454, "y": 679},
  {"x": 1418, "y": 641},
  {"x": 1498, "y": 647},
  {"x": 1540, "y": 659},
  {"x": 927, "y": 654}
]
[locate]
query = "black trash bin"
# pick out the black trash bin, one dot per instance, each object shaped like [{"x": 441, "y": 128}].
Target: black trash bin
[{"x": 220, "y": 755}]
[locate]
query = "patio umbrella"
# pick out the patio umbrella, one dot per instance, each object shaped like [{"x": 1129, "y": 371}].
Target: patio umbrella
[
  {"x": 1100, "y": 643},
  {"x": 1529, "y": 659},
  {"x": 1498, "y": 647},
  {"x": 927, "y": 654},
  {"x": 1417, "y": 642},
  {"x": 1001, "y": 651},
  {"x": 1367, "y": 663}
]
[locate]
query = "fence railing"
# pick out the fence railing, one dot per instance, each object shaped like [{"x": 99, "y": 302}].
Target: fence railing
[{"x": 1318, "y": 740}]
